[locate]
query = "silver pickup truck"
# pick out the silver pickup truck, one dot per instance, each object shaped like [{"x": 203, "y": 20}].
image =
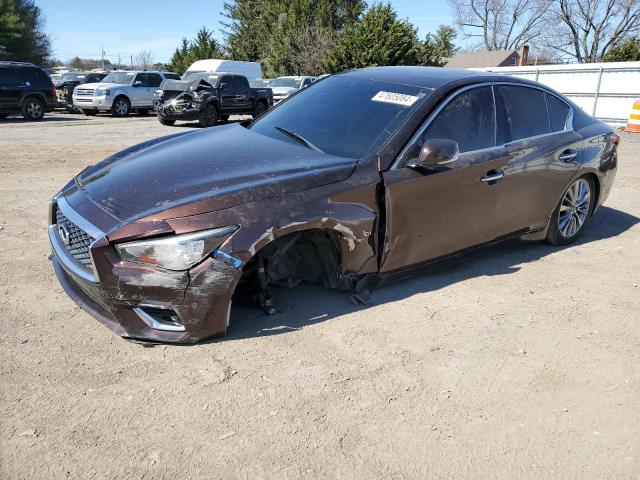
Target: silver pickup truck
[{"x": 120, "y": 92}]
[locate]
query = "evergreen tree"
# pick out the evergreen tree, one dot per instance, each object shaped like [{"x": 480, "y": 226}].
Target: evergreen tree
[
  {"x": 628, "y": 51},
  {"x": 438, "y": 46},
  {"x": 200, "y": 48},
  {"x": 380, "y": 38},
  {"x": 21, "y": 32}
]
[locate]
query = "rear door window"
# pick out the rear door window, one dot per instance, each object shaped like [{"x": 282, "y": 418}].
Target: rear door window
[
  {"x": 558, "y": 113},
  {"x": 241, "y": 85},
  {"x": 521, "y": 113},
  {"x": 469, "y": 120},
  {"x": 8, "y": 77},
  {"x": 153, "y": 80},
  {"x": 226, "y": 84}
]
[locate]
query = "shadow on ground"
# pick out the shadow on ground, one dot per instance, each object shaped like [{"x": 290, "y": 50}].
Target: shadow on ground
[
  {"x": 310, "y": 304},
  {"x": 47, "y": 119}
]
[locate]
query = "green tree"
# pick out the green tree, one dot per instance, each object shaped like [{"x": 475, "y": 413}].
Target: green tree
[
  {"x": 380, "y": 38},
  {"x": 200, "y": 48},
  {"x": 76, "y": 62},
  {"x": 628, "y": 51},
  {"x": 22, "y": 36},
  {"x": 438, "y": 46},
  {"x": 281, "y": 34}
]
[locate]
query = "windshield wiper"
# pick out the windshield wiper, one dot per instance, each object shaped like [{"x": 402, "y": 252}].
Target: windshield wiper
[{"x": 299, "y": 138}]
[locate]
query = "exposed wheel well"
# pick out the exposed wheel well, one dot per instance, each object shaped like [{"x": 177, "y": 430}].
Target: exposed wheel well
[
  {"x": 312, "y": 256},
  {"x": 596, "y": 184}
]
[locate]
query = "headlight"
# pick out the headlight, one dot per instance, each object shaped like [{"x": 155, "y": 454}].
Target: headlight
[
  {"x": 101, "y": 92},
  {"x": 179, "y": 252}
]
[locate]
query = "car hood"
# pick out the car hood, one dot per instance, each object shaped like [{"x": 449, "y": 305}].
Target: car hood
[
  {"x": 102, "y": 85},
  {"x": 283, "y": 89},
  {"x": 204, "y": 171}
]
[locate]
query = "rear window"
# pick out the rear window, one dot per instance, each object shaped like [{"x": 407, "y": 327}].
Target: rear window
[
  {"x": 172, "y": 76},
  {"x": 558, "y": 113},
  {"x": 522, "y": 113}
]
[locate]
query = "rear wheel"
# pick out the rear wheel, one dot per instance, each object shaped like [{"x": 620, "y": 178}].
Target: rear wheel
[
  {"x": 209, "y": 116},
  {"x": 89, "y": 113},
  {"x": 165, "y": 121},
  {"x": 121, "y": 107},
  {"x": 572, "y": 213},
  {"x": 261, "y": 107},
  {"x": 33, "y": 109}
]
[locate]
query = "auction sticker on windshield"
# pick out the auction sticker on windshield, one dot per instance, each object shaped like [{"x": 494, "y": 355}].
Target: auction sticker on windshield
[{"x": 396, "y": 98}]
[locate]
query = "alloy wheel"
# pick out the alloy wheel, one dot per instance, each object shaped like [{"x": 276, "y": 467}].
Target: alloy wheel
[
  {"x": 574, "y": 208},
  {"x": 121, "y": 107},
  {"x": 34, "y": 109}
]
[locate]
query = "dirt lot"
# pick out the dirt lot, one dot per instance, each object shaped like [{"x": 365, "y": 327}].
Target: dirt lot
[{"x": 523, "y": 362}]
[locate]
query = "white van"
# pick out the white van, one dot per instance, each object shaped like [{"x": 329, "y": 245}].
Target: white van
[{"x": 251, "y": 70}]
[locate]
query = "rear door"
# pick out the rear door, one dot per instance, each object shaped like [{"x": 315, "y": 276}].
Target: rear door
[
  {"x": 9, "y": 88},
  {"x": 452, "y": 208},
  {"x": 35, "y": 80},
  {"x": 535, "y": 127},
  {"x": 150, "y": 84},
  {"x": 227, "y": 94},
  {"x": 243, "y": 96}
]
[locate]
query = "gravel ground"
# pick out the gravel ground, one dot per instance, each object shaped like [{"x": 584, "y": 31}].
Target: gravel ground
[{"x": 522, "y": 362}]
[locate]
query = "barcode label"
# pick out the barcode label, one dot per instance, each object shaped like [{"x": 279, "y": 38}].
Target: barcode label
[{"x": 395, "y": 98}]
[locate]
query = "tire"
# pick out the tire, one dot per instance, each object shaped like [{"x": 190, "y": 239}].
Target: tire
[
  {"x": 121, "y": 107},
  {"x": 573, "y": 212},
  {"x": 33, "y": 109},
  {"x": 261, "y": 107},
  {"x": 89, "y": 113},
  {"x": 209, "y": 116},
  {"x": 165, "y": 121}
]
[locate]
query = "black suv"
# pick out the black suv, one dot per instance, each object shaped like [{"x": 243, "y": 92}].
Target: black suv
[{"x": 26, "y": 89}]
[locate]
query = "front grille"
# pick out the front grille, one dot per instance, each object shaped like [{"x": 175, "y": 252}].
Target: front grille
[
  {"x": 84, "y": 91},
  {"x": 79, "y": 241}
]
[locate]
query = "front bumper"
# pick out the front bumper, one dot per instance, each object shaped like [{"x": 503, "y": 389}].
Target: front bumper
[
  {"x": 166, "y": 110},
  {"x": 85, "y": 102},
  {"x": 127, "y": 297}
]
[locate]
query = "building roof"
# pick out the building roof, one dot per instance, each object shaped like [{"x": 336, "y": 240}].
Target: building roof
[{"x": 492, "y": 58}]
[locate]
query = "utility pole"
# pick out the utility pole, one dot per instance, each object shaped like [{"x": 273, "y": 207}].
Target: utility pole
[
  {"x": 102, "y": 49},
  {"x": 119, "y": 62},
  {"x": 131, "y": 61}
]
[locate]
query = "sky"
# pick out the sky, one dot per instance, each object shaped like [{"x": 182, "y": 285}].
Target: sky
[{"x": 124, "y": 27}]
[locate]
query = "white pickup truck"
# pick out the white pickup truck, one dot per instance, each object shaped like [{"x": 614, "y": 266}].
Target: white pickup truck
[{"x": 120, "y": 92}]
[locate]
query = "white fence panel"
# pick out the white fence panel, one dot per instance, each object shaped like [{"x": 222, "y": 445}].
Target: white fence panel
[{"x": 605, "y": 90}]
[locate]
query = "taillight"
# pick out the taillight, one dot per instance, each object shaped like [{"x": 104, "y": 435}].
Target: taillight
[
  {"x": 615, "y": 138},
  {"x": 53, "y": 91}
]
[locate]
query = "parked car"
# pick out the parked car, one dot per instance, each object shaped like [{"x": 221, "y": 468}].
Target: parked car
[
  {"x": 121, "y": 92},
  {"x": 69, "y": 81},
  {"x": 284, "y": 87},
  {"x": 368, "y": 177},
  {"x": 25, "y": 89},
  {"x": 209, "y": 97},
  {"x": 251, "y": 70}
]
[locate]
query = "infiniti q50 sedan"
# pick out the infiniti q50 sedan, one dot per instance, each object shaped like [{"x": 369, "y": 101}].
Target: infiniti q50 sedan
[{"x": 366, "y": 177}]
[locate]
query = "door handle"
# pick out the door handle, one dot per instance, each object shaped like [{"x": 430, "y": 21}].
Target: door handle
[
  {"x": 493, "y": 176},
  {"x": 568, "y": 155}
]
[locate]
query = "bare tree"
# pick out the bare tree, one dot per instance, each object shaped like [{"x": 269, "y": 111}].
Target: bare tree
[
  {"x": 144, "y": 59},
  {"x": 588, "y": 29},
  {"x": 310, "y": 45},
  {"x": 500, "y": 24}
]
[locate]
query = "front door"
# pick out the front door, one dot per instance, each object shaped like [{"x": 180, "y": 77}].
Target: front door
[{"x": 429, "y": 215}]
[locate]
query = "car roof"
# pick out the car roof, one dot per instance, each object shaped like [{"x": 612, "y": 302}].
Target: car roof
[
  {"x": 8, "y": 63},
  {"x": 427, "y": 77}
]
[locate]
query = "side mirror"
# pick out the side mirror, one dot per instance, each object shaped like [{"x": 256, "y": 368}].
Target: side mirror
[
  {"x": 436, "y": 152},
  {"x": 137, "y": 83},
  {"x": 222, "y": 85}
]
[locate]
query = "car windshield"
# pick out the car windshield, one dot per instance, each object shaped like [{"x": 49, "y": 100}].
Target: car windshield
[
  {"x": 210, "y": 78},
  {"x": 285, "y": 82},
  {"x": 123, "y": 78},
  {"x": 70, "y": 77},
  {"x": 343, "y": 115}
]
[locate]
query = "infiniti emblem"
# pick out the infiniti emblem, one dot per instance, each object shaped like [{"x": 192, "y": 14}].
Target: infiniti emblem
[{"x": 63, "y": 231}]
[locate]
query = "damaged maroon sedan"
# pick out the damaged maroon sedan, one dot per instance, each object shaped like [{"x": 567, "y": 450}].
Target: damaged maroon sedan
[{"x": 363, "y": 178}]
